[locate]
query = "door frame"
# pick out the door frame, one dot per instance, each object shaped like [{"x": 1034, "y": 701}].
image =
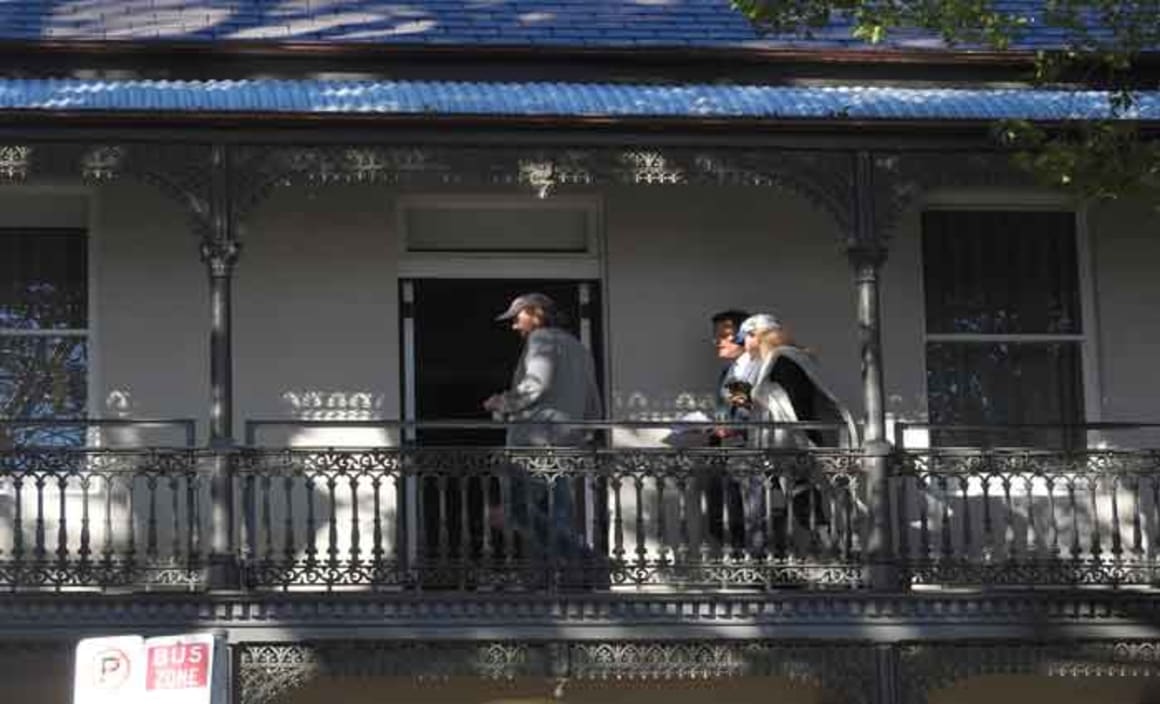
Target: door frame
[
  {"x": 407, "y": 352},
  {"x": 408, "y": 362},
  {"x": 589, "y": 266}
]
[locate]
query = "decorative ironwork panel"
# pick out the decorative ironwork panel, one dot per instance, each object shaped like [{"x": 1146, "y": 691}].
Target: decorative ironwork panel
[
  {"x": 183, "y": 172},
  {"x": 824, "y": 178},
  {"x": 267, "y": 670},
  {"x": 1025, "y": 517},
  {"x": 901, "y": 178},
  {"x": 549, "y": 520},
  {"x": 924, "y": 667},
  {"x": 87, "y": 518},
  {"x": 544, "y": 519},
  {"x": 842, "y": 670}
]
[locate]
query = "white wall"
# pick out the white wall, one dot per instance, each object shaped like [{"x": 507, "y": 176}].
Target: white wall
[
  {"x": 151, "y": 312},
  {"x": 903, "y": 323},
  {"x": 678, "y": 255},
  {"x": 1126, "y": 263},
  {"x": 316, "y": 310}
]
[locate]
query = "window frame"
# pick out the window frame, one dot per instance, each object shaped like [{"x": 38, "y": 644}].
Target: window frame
[
  {"x": 474, "y": 264},
  {"x": 1087, "y": 338},
  {"x": 88, "y": 227}
]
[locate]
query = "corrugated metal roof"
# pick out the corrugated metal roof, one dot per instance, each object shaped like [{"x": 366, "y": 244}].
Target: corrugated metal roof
[
  {"x": 560, "y": 99},
  {"x": 594, "y": 23}
]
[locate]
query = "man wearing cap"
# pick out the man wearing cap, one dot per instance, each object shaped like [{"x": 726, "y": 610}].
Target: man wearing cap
[
  {"x": 735, "y": 379},
  {"x": 731, "y": 407},
  {"x": 554, "y": 381}
]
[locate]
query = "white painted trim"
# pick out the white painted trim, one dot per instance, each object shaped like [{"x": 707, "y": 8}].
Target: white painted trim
[
  {"x": 606, "y": 331},
  {"x": 514, "y": 265},
  {"x": 589, "y": 266},
  {"x": 584, "y": 297},
  {"x": 1016, "y": 337},
  {"x": 1093, "y": 397},
  {"x": 459, "y": 266},
  {"x": 410, "y": 483},
  {"x": 995, "y": 199},
  {"x": 409, "y": 397},
  {"x": 590, "y": 204}
]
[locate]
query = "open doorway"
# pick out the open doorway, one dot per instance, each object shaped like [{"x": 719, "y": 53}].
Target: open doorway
[{"x": 456, "y": 354}]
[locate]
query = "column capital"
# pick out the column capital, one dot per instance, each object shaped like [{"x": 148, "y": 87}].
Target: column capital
[
  {"x": 865, "y": 255},
  {"x": 221, "y": 255}
]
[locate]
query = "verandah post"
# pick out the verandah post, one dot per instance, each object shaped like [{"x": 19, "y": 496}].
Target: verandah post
[
  {"x": 219, "y": 252},
  {"x": 867, "y": 253}
]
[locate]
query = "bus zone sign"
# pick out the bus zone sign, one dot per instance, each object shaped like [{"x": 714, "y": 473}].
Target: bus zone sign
[{"x": 183, "y": 669}]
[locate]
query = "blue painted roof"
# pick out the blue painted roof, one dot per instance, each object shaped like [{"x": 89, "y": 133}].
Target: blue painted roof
[
  {"x": 586, "y": 23},
  {"x": 559, "y": 99}
]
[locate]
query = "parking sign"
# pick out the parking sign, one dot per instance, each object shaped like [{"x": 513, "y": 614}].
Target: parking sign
[{"x": 181, "y": 669}]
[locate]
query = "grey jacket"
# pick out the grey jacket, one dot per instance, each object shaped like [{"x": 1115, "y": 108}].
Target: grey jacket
[{"x": 555, "y": 380}]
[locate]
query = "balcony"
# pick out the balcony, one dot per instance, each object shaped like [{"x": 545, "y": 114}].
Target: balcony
[{"x": 404, "y": 517}]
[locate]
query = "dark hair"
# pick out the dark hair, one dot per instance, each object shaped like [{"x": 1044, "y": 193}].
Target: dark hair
[
  {"x": 550, "y": 316},
  {"x": 732, "y": 316}
]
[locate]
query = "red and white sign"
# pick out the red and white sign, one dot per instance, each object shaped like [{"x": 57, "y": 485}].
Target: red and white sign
[
  {"x": 186, "y": 669},
  {"x": 180, "y": 662}
]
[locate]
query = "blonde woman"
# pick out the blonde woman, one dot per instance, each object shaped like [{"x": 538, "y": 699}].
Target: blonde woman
[{"x": 787, "y": 388}]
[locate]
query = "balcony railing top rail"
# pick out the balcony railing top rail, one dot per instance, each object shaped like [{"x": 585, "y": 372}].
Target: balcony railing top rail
[
  {"x": 1047, "y": 436},
  {"x": 407, "y": 429},
  {"x": 56, "y": 432}
]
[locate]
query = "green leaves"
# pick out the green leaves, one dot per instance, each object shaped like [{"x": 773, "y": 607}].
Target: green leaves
[
  {"x": 1097, "y": 45},
  {"x": 1100, "y": 160}
]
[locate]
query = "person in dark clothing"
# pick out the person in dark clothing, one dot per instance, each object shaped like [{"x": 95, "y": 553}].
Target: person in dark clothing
[{"x": 722, "y": 494}]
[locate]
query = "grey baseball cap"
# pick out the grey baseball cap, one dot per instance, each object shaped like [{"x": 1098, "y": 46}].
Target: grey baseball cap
[{"x": 526, "y": 300}]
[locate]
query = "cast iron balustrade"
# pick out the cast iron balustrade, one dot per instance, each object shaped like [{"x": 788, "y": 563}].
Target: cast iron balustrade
[
  {"x": 1024, "y": 517},
  {"x": 1029, "y": 504},
  {"x": 118, "y": 516},
  {"x": 527, "y": 519},
  {"x": 407, "y": 517},
  {"x": 90, "y": 517}
]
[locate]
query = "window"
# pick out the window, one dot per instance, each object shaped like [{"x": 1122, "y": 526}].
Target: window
[
  {"x": 497, "y": 229},
  {"x": 1004, "y": 333},
  {"x": 43, "y": 333}
]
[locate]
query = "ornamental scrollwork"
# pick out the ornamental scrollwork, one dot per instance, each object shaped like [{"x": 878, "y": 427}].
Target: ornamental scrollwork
[
  {"x": 220, "y": 255},
  {"x": 824, "y": 178},
  {"x": 901, "y": 179},
  {"x": 137, "y": 518},
  {"x": 267, "y": 671},
  {"x": 14, "y": 162},
  {"x": 103, "y": 163},
  {"x": 925, "y": 667},
  {"x": 182, "y": 172}
]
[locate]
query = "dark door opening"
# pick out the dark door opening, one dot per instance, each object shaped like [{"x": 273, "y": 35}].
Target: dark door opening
[
  {"x": 462, "y": 355},
  {"x": 459, "y": 355}
]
